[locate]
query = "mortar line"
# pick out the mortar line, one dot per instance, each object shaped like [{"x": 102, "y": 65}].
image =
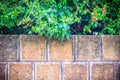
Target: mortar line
[
  {"x": 35, "y": 71},
  {"x": 102, "y": 49},
  {"x": 72, "y": 48},
  {"x": 20, "y": 52},
  {"x": 88, "y": 71},
  {"x": 116, "y": 71},
  {"x": 34, "y": 78},
  {"x": 6, "y": 72},
  {"x": 61, "y": 71},
  {"x": 47, "y": 50},
  {"x": 96, "y": 61},
  {"x": 75, "y": 51}
]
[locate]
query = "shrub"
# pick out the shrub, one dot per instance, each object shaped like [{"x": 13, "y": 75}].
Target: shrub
[{"x": 52, "y": 18}]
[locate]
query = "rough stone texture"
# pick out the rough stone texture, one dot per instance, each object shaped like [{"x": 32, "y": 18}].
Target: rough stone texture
[
  {"x": 118, "y": 72},
  {"x": 111, "y": 47},
  {"x": 20, "y": 71},
  {"x": 9, "y": 47},
  {"x": 33, "y": 47},
  {"x": 84, "y": 48},
  {"x": 102, "y": 72},
  {"x": 48, "y": 71},
  {"x": 2, "y": 71},
  {"x": 61, "y": 50},
  {"x": 88, "y": 47},
  {"x": 75, "y": 72}
]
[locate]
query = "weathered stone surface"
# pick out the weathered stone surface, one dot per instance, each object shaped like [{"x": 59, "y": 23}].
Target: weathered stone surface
[
  {"x": 102, "y": 72},
  {"x": 9, "y": 47},
  {"x": 75, "y": 72},
  {"x": 33, "y": 47},
  {"x": 118, "y": 72},
  {"x": 88, "y": 47},
  {"x": 111, "y": 46},
  {"x": 60, "y": 50},
  {"x": 48, "y": 71},
  {"x": 20, "y": 71},
  {"x": 2, "y": 71},
  {"x": 1, "y": 48}
]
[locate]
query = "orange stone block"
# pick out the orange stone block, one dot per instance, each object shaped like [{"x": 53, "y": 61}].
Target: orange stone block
[
  {"x": 20, "y": 71},
  {"x": 47, "y": 71},
  {"x": 2, "y": 71},
  {"x": 111, "y": 45},
  {"x": 75, "y": 72},
  {"x": 61, "y": 50},
  {"x": 102, "y": 72},
  {"x": 88, "y": 47},
  {"x": 33, "y": 47}
]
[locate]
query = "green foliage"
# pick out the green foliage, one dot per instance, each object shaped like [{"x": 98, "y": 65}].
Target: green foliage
[
  {"x": 104, "y": 12},
  {"x": 52, "y": 18},
  {"x": 10, "y": 13}
]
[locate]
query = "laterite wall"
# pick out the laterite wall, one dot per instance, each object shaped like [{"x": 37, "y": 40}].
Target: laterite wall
[{"x": 30, "y": 57}]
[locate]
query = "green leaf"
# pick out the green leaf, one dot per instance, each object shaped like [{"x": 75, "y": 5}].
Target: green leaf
[
  {"x": 77, "y": 19},
  {"x": 67, "y": 36}
]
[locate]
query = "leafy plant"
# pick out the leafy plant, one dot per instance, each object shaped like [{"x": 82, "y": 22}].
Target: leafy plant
[
  {"x": 104, "y": 15},
  {"x": 52, "y": 18}
]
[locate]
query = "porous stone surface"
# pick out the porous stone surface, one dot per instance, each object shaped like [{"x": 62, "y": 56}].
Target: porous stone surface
[
  {"x": 48, "y": 71},
  {"x": 111, "y": 47},
  {"x": 20, "y": 71},
  {"x": 102, "y": 72},
  {"x": 75, "y": 72},
  {"x": 33, "y": 47},
  {"x": 118, "y": 72},
  {"x": 9, "y": 47},
  {"x": 61, "y": 50},
  {"x": 3, "y": 67},
  {"x": 88, "y": 47}
]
